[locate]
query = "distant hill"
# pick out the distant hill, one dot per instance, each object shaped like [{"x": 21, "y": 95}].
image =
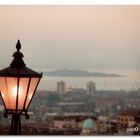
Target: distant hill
[{"x": 78, "y": 73}]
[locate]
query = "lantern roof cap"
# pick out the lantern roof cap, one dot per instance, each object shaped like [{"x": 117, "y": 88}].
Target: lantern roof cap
[{"x": 18, "y": 67}]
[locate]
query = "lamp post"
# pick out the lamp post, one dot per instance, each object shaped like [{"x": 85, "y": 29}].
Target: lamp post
[{"x": 17, "y": 88}]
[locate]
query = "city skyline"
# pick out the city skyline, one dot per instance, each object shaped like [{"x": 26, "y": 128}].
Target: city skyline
[{"x": 99, "y": 38}]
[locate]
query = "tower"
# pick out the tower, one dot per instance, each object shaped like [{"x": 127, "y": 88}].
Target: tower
[
  {"x": 61, "y": 87},
  {"x": 90, "y": 88}
]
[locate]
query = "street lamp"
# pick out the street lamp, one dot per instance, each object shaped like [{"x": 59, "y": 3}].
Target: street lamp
[{"x": 17, "y": 88}]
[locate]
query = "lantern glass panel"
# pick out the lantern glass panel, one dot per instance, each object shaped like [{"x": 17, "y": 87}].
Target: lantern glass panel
[
  {"x": 8, "y": 91},
  {"x": 23, "y": 86},
  {"x": 33, "y": 85}
]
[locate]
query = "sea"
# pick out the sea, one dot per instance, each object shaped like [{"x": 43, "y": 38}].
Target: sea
[{"x": 127, "y": 83}]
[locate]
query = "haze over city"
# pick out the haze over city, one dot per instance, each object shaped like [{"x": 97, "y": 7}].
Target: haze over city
[
  {"x": 89, "y": 56},
  {"x": 97, "y": 38}
]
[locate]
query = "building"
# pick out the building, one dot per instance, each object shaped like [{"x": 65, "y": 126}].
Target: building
[
  {"x": 126, "y": 118},
  {"x": 90, "y": 88},
  {"x": 89, "y": 127},
  {"x": 61, "y": 87},
  {"x": 102, "y": 123}
]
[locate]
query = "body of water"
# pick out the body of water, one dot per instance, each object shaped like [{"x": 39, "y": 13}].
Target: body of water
[{"x": 101, "y": 83}]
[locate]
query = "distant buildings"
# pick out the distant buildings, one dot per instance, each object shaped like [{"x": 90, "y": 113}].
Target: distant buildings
[
  {"x": 71, "y": 121},
  {"x": 129, "y": 122},
  {"x": 90, "y": 87},
  {"x": 76, "y": 124},
  {"x": 61, "y": 87},
  {"x": 127, "y": 118},
  {"x": 68, "y": 114}
]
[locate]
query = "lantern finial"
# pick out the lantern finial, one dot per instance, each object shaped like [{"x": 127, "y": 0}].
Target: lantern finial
[{"x": 18, "y": 45}]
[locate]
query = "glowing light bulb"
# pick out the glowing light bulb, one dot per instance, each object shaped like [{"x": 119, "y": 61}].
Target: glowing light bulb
[{"x": 15, "y": 91}]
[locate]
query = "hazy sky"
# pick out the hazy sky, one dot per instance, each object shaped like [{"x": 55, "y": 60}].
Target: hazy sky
[{"x": 81, "y": 37}]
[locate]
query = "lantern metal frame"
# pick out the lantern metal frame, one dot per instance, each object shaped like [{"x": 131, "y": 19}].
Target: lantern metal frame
[{"x": 18, "y": 69}]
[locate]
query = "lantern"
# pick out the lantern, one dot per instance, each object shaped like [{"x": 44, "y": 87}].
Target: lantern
[{"x": 17, "y": 88}]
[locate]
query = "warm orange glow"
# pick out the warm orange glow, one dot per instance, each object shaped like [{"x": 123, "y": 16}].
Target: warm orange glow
[
  {"x": 9, "y": 89},
  {"x": 14, "y": 91}
]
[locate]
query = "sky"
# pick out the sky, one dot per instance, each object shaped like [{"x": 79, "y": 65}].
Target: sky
[{"x": 97, "y": 38}]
